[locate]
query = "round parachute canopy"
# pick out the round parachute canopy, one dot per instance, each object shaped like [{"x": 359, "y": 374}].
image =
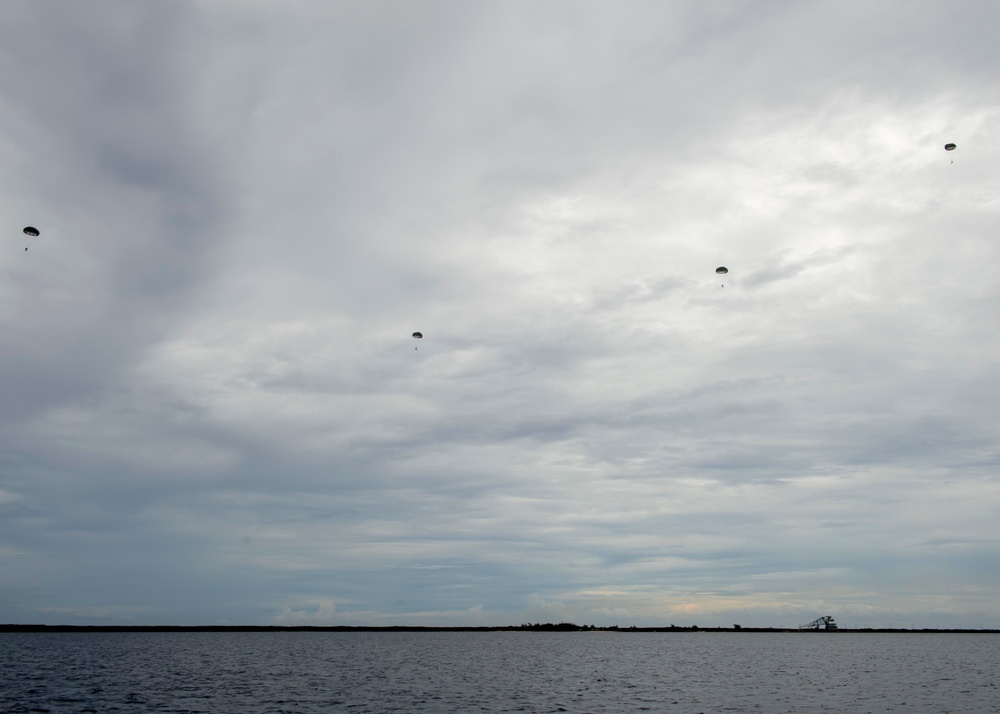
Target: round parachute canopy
[
  {"x": 31, "y": 231},
  {"x": 950, "y": 147},
  {"x": 721, "y": 270},
  {"x": 418, "y": 335}
]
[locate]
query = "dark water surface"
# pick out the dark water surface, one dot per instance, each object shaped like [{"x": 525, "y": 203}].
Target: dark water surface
[{"x": 499, "y": 672}]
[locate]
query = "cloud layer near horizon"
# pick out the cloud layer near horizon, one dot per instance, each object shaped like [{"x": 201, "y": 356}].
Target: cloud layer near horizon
[{"x": 212, "y": 408}]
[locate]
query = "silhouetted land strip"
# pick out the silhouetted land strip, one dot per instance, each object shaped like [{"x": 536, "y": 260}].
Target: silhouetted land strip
[{"x": 547, "y": 627}]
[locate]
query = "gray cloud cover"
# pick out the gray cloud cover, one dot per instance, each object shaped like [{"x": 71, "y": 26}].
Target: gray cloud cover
[{"x": 212, "y": 409}]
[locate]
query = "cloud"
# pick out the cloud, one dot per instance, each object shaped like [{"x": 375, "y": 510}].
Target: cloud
[
  {"x": 124, "y": 190},
  {"x": 212, "y": 406},
  {"x": 99, "y": 613},
  {"x": 322, "y": 615}
]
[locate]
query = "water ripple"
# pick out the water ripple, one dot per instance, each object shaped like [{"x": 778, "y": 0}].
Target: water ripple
[{"x": 535, "y": 673}]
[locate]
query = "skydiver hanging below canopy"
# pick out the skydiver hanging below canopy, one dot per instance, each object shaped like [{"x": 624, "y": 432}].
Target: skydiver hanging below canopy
[
  {"x": 950, "y": 147},
  {"x": 418, "y": 336},
  {"x": 722, "y": 270},
  {"x": 32, "y": 233}
]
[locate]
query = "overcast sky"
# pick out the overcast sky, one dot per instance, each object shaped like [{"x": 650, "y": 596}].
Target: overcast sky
[{"x": 212, "y": 410}]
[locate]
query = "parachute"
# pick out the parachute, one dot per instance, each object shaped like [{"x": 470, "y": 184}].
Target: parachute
[
  {"x": 31, "y": 232},
  {"x": 950, "y": 147},
  {"x": 722, "y": 270},
  {"x": 418, "y": 336}
]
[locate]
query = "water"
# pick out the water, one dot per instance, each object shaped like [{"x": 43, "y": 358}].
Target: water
[{"x": 403, "y": 673}]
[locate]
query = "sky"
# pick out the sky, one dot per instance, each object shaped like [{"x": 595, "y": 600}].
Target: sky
[{"x": 212, "y": 410}]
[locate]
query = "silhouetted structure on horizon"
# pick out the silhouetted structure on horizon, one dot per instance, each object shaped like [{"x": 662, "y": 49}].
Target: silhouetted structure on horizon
[{"x": 820, "y": 623}]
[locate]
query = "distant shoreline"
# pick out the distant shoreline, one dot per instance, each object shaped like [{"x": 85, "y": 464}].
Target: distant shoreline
[{"x": 414, "y": 628}]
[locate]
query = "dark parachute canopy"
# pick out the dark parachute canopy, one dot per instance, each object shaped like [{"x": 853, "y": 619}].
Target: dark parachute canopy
[
  {"x": 418, "y": 335},
  {"x": 721, "y": 270},
  {"x": 950, "y": 147}
]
